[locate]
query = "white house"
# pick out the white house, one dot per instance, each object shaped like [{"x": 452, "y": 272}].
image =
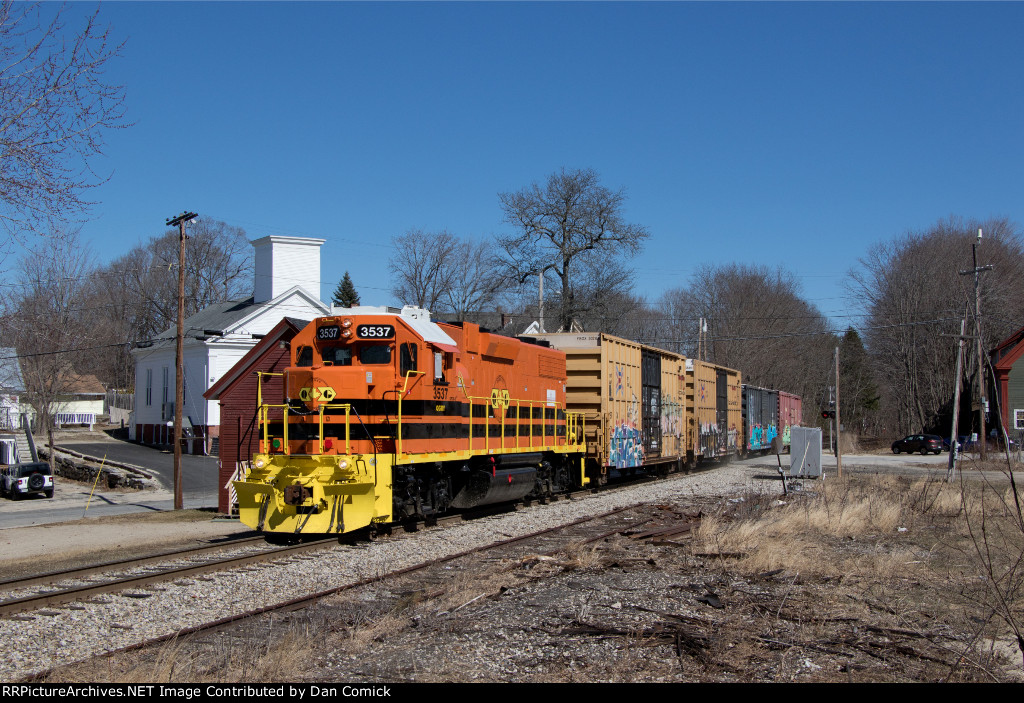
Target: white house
[
  {"x": 287, "y": 284},
  {"x": 12, "y": 389},
  {"x": 81, "y": 401}
]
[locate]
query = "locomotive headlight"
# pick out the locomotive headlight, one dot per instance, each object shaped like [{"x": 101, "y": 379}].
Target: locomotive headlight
[
  {"x": 259, "y": 463},
  {"x": 346, "y": 322},
  {"x": 346, "y": 333},
  {"x": 342, "y": 464}
]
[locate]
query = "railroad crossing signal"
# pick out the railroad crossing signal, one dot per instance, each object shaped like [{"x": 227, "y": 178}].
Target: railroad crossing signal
[{"x": 828, "y": 414}]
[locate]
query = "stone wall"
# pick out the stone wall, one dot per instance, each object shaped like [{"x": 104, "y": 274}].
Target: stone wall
[{"x": 78, "y": 469}]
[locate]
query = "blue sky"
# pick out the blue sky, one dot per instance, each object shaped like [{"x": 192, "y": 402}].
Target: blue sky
[{"x": 793, "y": 134}]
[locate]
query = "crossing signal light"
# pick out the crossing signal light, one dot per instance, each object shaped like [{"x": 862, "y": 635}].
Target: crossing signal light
[{"x": 828, "y": 414}]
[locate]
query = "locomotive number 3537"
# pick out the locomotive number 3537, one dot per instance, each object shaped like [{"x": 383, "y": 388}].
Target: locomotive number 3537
[{"x": 375, "y": 331}]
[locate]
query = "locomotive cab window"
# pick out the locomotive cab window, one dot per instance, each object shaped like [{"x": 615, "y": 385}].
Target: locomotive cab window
[
  {"x": 407, "y": 359},
  {"x": 375, "y": 354},
  {"x": 439, "y": 368},
  {"x": 304, "y": 356},
  {"x": 338, "y": 356}
]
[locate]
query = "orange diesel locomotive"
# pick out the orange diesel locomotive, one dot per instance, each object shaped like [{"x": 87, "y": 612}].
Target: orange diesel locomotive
[{"x": 388, "y": 415}]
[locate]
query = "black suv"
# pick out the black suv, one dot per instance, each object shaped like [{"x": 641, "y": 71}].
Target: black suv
[
  {"x": 923, "y": 443},
  {"x": 19, "y": 480}
]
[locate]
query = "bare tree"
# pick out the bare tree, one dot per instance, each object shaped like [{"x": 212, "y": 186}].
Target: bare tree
[
  {"x": 474, "y": 281},
  {"x": 444, "y": 273},
  {"x": 49, "y": 333},
  {"x": 757, "y": 322},
  {"x": 137, "y": 293},
  {"x": 422, "y": 267},
  {"x": 55, "y": 108},
  {"x": 570, "y": 220},
  {"x": 912, "y": 293}
]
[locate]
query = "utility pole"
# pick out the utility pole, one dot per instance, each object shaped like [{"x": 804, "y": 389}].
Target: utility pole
[
  {"x": 179, "y": 355},
  {"x": 953, "y": 448},
  {"x": 839, "y": 452},
  {"x": 982, "y": 400},
  {"x": 540, "y": 283}
]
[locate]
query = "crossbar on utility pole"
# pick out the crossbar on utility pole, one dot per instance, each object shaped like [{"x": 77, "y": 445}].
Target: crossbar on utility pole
[{"x": 179, "y": 355}]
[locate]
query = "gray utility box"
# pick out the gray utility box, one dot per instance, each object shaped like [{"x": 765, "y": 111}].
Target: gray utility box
[{"x": 805, "y": 452}]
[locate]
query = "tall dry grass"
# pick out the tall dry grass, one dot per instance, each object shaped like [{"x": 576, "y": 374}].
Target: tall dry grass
[{"x": 799, "y": 534}]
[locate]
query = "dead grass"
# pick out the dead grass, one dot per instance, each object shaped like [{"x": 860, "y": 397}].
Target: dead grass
[
  {"x": 925, "y": 551},
  {"x": 268, "y": 656}
]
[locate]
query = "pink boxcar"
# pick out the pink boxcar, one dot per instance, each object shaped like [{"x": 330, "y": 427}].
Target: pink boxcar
[{"x": 789, "y": 414}]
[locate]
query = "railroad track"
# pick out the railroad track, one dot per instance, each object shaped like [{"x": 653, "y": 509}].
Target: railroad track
[
  {"x": 79, "y": 584},
  {"x": 165, "y": 570},
  {"x": 237, "y": 593},
  {"x": 124, "y": 574},
  {"x": 314, "y": 597}
]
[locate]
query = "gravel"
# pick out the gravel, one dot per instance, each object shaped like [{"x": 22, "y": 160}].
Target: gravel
[{"x": 42, "y": 640}]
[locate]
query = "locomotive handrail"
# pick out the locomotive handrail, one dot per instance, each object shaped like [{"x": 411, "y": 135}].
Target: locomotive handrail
[
  {"x": 574, "y": 421},
  {"x": 570, "y": 418},
  {"x": 265, "y": 409},
  {"x": 264, "y": 412},
  {"x": 259, "y": 385},
  {"x": 347, "y": 407},
  {"x": 401, "y": 397}
]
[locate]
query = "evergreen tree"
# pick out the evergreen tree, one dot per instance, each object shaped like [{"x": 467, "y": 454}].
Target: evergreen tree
[
  {"x": 345, "y": 294},
  {"x": 858, "y": 389}
]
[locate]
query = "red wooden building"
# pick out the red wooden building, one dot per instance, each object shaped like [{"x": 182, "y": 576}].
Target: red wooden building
[
  {"x": 1009, "y": 381},
  {"x": 236, "y": 391}
]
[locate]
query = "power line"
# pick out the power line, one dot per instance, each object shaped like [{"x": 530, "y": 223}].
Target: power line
[
  {"x": 793, "y": 334},
  {"x": 65, "y": 351}
]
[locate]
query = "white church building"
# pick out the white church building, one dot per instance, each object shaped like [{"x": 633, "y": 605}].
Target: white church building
[{"x": 287, "y": 284}]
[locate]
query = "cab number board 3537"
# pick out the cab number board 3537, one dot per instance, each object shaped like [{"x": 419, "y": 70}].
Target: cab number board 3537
[{"x": 375, "y": 331}]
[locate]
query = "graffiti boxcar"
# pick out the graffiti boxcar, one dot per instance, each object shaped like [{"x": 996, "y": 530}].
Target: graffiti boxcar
[
  {"x": 715, "y": 421},
  {"x": 632, "y": 397},
  {"x": 790, "y": 407},
  {"x": 760, "y": 418}
]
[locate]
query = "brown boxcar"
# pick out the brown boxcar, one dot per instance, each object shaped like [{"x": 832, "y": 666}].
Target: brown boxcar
[{"x": 632, "y": 396}]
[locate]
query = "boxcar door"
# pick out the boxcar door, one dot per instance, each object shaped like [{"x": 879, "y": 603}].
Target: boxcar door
[
  {"x": 722, "y": 410},
  {"x": 650, "y": 381}
]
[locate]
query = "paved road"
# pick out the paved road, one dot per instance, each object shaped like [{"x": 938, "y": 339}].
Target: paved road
[
  {"x": 73, "y": 502},
  {"x": 199, "y": 473},
  {"x": 199, "y": 485}
]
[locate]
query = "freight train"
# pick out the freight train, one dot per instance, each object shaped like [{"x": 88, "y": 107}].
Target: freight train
[{"x": 388, "y": 415}]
